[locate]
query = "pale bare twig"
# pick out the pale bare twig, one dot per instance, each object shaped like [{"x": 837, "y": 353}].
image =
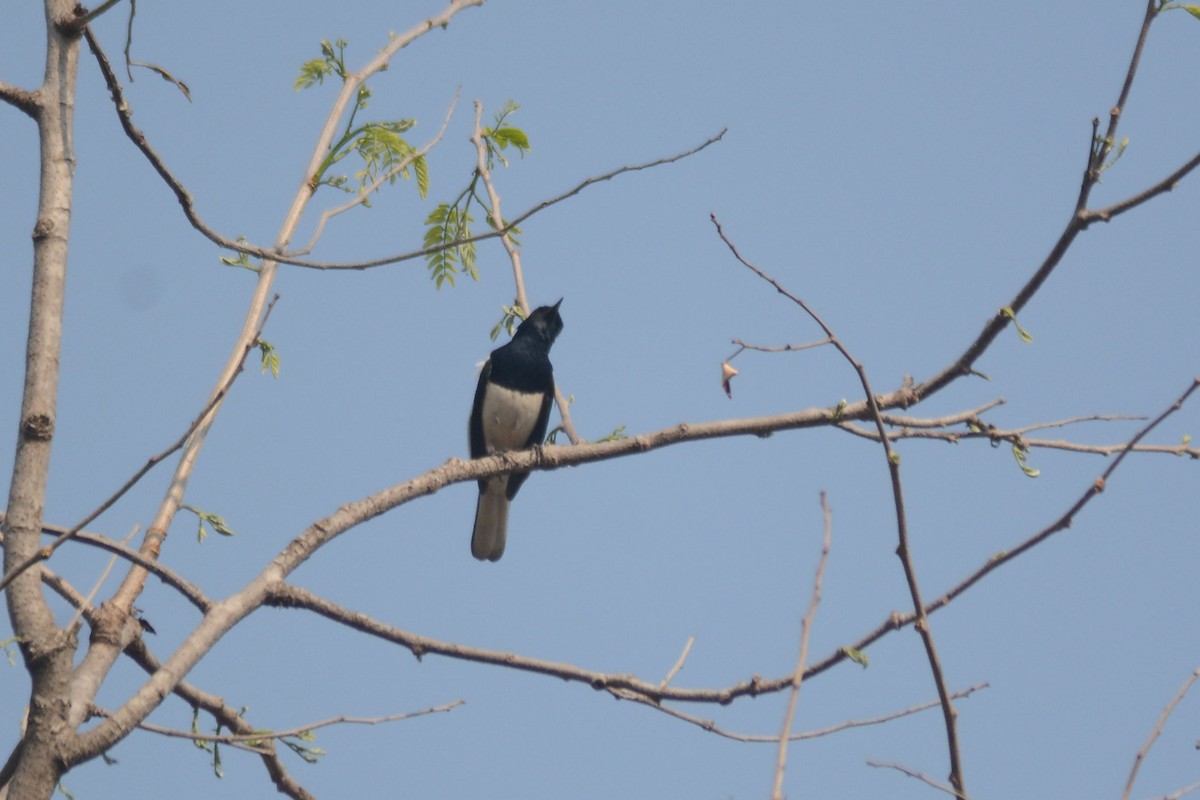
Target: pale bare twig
[
  {"x": 1178, "y": 793},
  {"x": 1157, "y": 731},
  {"x": 687, "y": 648},
  {"x": 253, "y": 741},
  {"x": 912, "y": 773},
  {"x": 168, "y": 576},
  {"x": 751, "y": 738},
  {"x": 802, "y": 658},
  {"x": 777, "y": 348},
  {"x": 87, "y": 601}
]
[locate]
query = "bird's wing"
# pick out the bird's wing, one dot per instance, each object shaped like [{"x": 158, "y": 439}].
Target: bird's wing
[{"x": 475, "y": 427}]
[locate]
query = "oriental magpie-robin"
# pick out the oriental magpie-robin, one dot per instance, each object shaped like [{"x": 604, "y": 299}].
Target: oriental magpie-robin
[{"x": 511, "y": 411}]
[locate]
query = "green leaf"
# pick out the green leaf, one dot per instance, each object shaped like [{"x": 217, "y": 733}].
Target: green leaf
[
  {"x": 514, "y": 136},
  {"x": 198, "y": 743},
  {"x": 856, "y": 655},
  {"x": 330, "y": 63},
  {"x": 1021, "y": 454},
  {"x": 511, "y": 319},
  {"x": 1192, "y": 9},
  {"x": 270, "y": 358},
  {"x": 215, "y": 521},
  {"x": 1024, "y": 334},
  {"x": 617, "y": 434},
  {"x": 446, "y": 225}
]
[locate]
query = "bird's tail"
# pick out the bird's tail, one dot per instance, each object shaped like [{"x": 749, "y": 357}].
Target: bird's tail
[{"x": 491, "y": 522}]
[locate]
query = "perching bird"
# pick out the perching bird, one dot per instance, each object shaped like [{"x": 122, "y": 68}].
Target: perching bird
[{"x": 511, "y": 411}]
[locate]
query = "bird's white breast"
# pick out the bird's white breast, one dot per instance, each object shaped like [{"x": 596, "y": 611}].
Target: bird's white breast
[{"x": 509, "y": 417}]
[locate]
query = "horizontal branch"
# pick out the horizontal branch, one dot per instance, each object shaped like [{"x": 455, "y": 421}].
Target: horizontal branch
[
  {"x": 253, "y": 741},
  {"x": 20, "y": 99},
  {"x": 711, "y": 726}
]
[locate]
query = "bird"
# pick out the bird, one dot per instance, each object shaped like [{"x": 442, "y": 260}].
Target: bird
[{"x": 510, "y": 412}]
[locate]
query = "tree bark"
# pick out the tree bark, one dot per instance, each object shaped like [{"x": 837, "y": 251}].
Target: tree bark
[{"x": 48, "y": 650}]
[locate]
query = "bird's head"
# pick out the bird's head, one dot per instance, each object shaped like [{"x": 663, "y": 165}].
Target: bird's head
[{"x": 543, "y": 322}]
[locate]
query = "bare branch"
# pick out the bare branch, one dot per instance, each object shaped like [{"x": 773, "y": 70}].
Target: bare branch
[
  {"x": 1154, "y": 734},
  {"x": 20, "y": 99},
  {"x": 1167, "y": 184},
  {"x": 802, "y": 658},
  {"x": 253, "y": 742},
  {"x": 912, "y": 773},
  {"x": 712, "y": 727},
  {"x": 687, "y": 648},
  {"x": 66, "y": 535},
  {"x": 903, "y": 552},
  {"x": 83, "y": 19}
]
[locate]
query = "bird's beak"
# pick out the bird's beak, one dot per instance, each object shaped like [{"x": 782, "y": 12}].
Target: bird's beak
[{"x": 556, "y": 305}]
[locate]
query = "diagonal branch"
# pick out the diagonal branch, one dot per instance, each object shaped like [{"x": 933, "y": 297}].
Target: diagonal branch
[
  {"x": 1154, "y": 734},
  {"x": 65, "y": 535}
]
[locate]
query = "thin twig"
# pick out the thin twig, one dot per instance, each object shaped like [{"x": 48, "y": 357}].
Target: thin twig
[
  {"x": 1158, "y": 729},
  {"x": 903, "y": 552},
  {"x": 753, "y": 738},
  {"x": 87, "y": 601},
  {"x": 65, "y": 536},
  {"x": 252, "y": 741},
  {"x": 687, "y": 648},
  {"x": 912, "y": 773},
  {"x": 802, "y": 658}
]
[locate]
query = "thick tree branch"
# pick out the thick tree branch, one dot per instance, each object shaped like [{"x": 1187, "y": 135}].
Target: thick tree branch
[
  {"x": 48, "y": 651},
  {"x": 20, "y": 99}
]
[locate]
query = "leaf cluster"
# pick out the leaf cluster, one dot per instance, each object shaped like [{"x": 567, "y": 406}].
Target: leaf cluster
[
  {"x": 449, "y": 225},
  {"x": 384, "y": 153}
]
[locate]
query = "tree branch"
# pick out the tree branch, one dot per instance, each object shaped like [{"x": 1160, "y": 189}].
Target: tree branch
[
  {"x": 278, "y": 254},
  {"x": 20, "y": 99},
  {"x": 1154, "y": 734},
  {"x": 785, "y": 735}
]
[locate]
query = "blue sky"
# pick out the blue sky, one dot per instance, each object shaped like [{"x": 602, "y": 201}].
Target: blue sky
[{"x": 902, "y": 167}]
